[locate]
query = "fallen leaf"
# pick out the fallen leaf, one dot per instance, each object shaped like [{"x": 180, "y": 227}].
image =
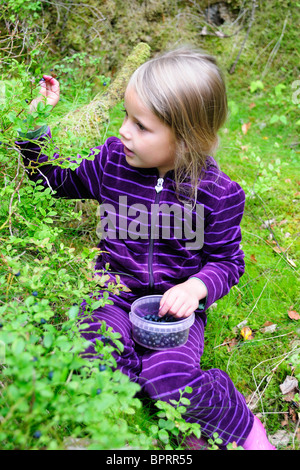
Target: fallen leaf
[
  {"x": 252, "y": 257},
  {"x": 283, "y": 221},
  {"x": 293, "y": 315},
  {"x": 252, "y": 105},
  {"x": 285, "y": 421},
  {"x": 280, "y": 438},
  {"x": 268, "y": 223},
  {"x": 278, "y": 249},
  {"x": 246, "y": 127},
  {"x": 290, "y": 396},
  {"x": 231, "y": 343},
  {"x": 246, "y": 333},
  {"x": 289, "y": 385},
  {"x": 270, "y": 328}
]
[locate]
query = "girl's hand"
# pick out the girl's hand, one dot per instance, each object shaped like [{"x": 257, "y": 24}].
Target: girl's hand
[
  {"x": 182, "y": 300},
  {"x": 49, "y": 90}
]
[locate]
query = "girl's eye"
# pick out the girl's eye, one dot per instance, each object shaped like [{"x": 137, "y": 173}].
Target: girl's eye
[{"x": 140, "y": 126}]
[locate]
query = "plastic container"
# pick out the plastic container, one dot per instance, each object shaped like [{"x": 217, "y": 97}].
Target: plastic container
[{"x": 157, "y": 335}]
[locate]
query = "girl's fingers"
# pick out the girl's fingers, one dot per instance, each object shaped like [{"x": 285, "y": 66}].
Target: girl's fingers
[
  {"x": 176, "y": 303},
  {"x": 171, "y": 304}
]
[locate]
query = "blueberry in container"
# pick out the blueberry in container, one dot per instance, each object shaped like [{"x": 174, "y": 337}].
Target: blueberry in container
[{"x": 153, "y": 332}]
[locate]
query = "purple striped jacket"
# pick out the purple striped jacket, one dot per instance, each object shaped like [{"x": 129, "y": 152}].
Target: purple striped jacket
[{"x": 131, "y": 198}]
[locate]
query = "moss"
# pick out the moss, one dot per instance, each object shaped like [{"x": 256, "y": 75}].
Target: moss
[{"x": 88, "y": 121}]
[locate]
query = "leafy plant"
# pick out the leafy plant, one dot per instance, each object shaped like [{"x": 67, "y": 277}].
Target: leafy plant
[
  {"x": 49, "y": 390},
  {"x": 171, "y": 424}
]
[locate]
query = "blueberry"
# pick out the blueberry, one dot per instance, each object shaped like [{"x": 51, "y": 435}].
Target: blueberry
[
  {"x": 98, "y": 391},
  {"x": 102, "y": 367},
  {"x": 104, "y": 83},
  {"x": 35, "y": 293},
  {"x": 1, "y": 325},
  {"x": 104, "y": 339},
  {"x": 34, "y": 359},
  {"x": 50, "y": 375},
  {"x": 43, "y": 321},
  {"x": 17, "y": 274},
  {"x": 37, "y": 434}
]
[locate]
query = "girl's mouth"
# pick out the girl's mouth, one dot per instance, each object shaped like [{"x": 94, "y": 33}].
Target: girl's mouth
[{"x": 128, "y": 152}]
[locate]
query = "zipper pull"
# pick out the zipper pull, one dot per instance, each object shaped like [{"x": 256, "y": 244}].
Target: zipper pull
[{"x": 159, "y": 185}]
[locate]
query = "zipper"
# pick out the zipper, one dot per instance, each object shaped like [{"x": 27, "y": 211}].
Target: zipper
[
  {"x": 158, "y": 189},
  {"x": 159, "y": 186}
]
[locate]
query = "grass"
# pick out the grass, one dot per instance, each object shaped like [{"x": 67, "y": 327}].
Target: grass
[{"x": 264, "y": 161}]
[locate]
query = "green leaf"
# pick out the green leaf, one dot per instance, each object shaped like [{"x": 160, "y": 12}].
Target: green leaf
[
  {"x": 48, "y": 340},
  {"x": 256, "y": 85},
  {"x": 73, "y": 312},
  {"x": 166, "y": 424},
  {"x": 283, "y": 119},
  {"x": 185, "y": 401},
  {"x": 40, "y": 106},
  {"x": 163, "y": 435},
  {"x": 18, "y": 346},
  {"x": 154, "y": 429}
]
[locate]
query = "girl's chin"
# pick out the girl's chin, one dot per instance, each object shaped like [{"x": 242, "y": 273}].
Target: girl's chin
[{"x": 131, "y": 160}]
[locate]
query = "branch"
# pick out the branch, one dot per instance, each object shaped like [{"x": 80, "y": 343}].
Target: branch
[
  {"x": 89, "y": 120},
  {"x": 232, "y": 68}
]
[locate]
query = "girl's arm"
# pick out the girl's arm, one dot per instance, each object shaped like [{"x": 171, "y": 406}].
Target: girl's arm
[
  {"x": 223, "y": 262},
  {"x": 82, "y": 183}
]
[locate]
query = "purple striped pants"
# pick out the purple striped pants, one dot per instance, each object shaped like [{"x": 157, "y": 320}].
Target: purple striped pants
[{"x": 215, "y": 402}]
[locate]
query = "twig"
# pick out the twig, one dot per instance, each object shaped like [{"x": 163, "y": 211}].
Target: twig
[
  {"x": 232, "y": 68},
  {"x": 275, "y": 49},
  {"x": 282, "y": 357}
]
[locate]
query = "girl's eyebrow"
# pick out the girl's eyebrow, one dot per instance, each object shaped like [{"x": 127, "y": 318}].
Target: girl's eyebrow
[{"x": 135, "y": 118}]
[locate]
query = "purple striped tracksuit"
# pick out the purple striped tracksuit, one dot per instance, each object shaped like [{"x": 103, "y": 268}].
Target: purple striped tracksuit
[{"x": 152, "y": 264}]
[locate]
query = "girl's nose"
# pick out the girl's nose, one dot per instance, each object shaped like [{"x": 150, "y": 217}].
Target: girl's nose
[{"x": 124, "y": 131}]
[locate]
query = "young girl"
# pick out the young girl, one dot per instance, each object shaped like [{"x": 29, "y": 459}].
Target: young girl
[{"x": 174, "y": 106}]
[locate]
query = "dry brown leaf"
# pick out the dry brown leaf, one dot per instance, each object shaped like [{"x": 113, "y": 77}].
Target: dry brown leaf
[
  {"x": 252, "y": 257},
  {"x": 285, "y": 421},
  {"x": 293, "y": 315},
  {"x": 283, "y": 221},
  {"x": 290, "y": 396},
  {"x": 231, "y": 343},
  {"x": 246, "y": 127},
  {"x": 269, "y": 327},
  {"x": 278, "y": 249}
]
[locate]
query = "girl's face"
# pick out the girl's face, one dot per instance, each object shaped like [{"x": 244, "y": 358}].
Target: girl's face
[{"x": 148, "y": 142}]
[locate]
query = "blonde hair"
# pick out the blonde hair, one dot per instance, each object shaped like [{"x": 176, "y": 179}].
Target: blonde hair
[{"x": 186, "y": 90}]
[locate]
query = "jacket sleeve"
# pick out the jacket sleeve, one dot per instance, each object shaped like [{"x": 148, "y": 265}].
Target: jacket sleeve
[
  {"x": 223, "y": 258},
  {"x": 82, "y": 183}
]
